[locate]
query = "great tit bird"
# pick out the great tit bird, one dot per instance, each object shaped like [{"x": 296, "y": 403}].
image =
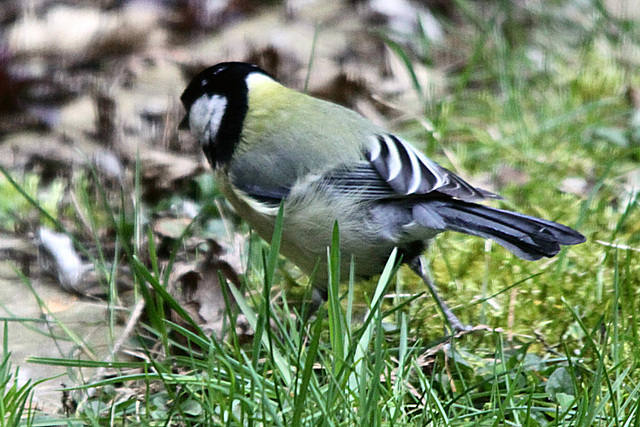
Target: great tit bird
[{"x": 269, "y": 144}]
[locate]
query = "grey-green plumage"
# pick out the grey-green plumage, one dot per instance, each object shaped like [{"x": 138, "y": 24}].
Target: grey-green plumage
[{"x": 268, "y": 144}]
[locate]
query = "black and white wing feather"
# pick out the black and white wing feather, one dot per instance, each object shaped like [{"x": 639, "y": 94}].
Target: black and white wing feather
[
  {"x": 409, "y": 172},
  {"x": 391, "y": 168}
]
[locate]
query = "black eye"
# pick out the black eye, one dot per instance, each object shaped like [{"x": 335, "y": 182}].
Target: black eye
[{"x": 204, "y": 82}]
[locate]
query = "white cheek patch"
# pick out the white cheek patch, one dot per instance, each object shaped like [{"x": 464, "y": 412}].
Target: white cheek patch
[{"x": 206, "y": 115}]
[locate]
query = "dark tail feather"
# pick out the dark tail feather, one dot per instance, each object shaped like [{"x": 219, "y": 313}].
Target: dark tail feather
[{"x": 527, "y": 237}]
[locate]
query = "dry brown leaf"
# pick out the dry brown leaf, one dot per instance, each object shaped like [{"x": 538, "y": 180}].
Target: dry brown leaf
[
  {"x": 198, "y": 289},
  {"x": 171, "y": 227},
  {"x": 58, "y": 258},
  {"x": 81, "y": 33},
  {"x": 164, "y": 172},
  {"x": 575, "y": 185},
  {"x": 510, "y": 175}
]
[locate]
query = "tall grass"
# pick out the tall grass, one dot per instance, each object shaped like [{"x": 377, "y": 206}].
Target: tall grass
[
  {"x": 561, "y": 343},
  {"x": 332, "y": 370}
]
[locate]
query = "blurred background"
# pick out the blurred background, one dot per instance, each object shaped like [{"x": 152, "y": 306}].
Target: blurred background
[{"x": 538, "y": 100}]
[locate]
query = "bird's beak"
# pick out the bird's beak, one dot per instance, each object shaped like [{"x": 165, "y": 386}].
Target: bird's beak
[{"x": 184, "y": 123}]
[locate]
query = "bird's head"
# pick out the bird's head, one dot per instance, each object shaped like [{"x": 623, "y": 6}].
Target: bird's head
[{"x": 216, "y": 101}]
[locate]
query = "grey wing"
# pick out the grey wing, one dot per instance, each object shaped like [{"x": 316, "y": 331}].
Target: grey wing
[
  {"x": 360, "y": 179},
  {"x": 394, "y": 168},
  {"x": 408, "y": 171}
]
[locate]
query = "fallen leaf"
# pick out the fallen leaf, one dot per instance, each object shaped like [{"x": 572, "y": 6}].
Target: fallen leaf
[{"x": 198, "y": 289}]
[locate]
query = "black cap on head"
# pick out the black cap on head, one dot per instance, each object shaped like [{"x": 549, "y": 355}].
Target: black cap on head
[{"x": 227, "y": 79}]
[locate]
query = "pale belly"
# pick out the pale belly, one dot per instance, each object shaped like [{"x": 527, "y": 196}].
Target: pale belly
[{"x": 308, "y": 229}]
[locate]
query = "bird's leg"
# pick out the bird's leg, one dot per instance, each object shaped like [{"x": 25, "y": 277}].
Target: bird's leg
[
  {"x": 318, "y": 297},
  {"x": 417, "y": 265}
]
